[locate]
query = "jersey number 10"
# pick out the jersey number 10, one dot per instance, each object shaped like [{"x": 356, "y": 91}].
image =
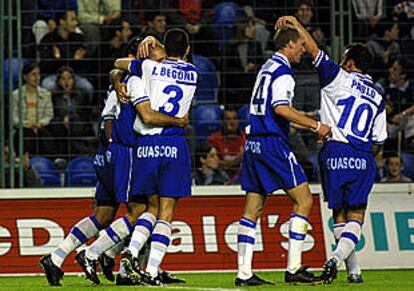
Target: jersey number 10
[{"x": 348, "y": 103}]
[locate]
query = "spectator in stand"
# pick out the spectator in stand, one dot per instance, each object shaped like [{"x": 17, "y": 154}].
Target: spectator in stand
[
  {"x": 196, "y": 17},
  {"x": 244, "y": 57},
  {"x": 208, "y": 170},
  {"x": 229, "y": 143},
  {"x": 307, "y": 81},
  {"x": 119, "y": 33},
  {"x": 394, "y": 166},
  {"x": 386, "y": 47},
  {"x": 63, "y": 46},
  {"x": 37, "y": 112},
  {"x": 71, "y": 123},
  {"x": 399, "y": 102},
  {"x": 93, "y": 14},
  {"x": 31, "y": 178},
  {"x": 369, "y": 14},
  {"x": 46, "y": 13},
  {"x": 156, "y": 24}
]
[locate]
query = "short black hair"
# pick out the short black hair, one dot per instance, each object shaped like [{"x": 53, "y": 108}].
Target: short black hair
[
  {"x": 202, "y": 151},
  {"x": 392, "y": 155},
  {"x": 361, "y": 55},
  {"x": 176, "y": 42},
  {"x": 116, "y": 25},
  {"x": 132, "y": 48},
  {"x": 151, "y": 15},
  {"x": 29, "y": 67},
  {"x": 284, "y": 35},
  {"x": 305, "y": 2},
  {"x": 385, "y": 25}
]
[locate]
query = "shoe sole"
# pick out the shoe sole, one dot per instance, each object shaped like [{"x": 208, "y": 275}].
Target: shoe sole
[
  {"x": 132, "y": 274},
  {"x": 306, "y": 283}
]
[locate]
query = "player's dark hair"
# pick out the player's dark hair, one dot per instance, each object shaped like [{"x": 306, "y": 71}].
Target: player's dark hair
[
  {"x": 283, "y": 36},
  {"x": 151, "y": 15},
  {"x": 361, "y": 55},
  {"x": 385, "y": 25},
  {"x": 29, "y": 67},
  {"x": 176, "y": 42},
  {"x": 132, "y": 48}
]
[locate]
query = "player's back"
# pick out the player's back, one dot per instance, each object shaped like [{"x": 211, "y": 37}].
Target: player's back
[
  {"x": 351, "y": 104},
  {"x": 170, "y": 86},
  {"x": 274, "y": 86}
]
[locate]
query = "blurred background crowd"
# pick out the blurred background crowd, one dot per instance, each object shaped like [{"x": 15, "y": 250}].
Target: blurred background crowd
[{"x": 69, "y": 46}]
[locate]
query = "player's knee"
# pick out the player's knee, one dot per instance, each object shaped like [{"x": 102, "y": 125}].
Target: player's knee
[
  {"x": 104, "y": 219},
  {"x": 137, "y": 210}
]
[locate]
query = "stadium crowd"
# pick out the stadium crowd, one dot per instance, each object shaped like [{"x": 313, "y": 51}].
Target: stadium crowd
[{"x": 69, "y": 47}]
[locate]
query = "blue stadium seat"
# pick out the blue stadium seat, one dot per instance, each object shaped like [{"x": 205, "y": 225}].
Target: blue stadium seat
[
  {"x": 80, "y": 172},
  {"x": 207, "y": 119},
  {"x": 226, "y": 14},
  {"x": 244, "y": 115},
  {"x": 207, "y": 81},
  {"x": 47, "y": 171},
  {"x": 408, "y": 160},
  {"x": 15, "y": 69}
]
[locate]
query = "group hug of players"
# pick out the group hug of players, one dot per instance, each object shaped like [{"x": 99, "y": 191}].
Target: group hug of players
[{"x": 144, "y": 160}]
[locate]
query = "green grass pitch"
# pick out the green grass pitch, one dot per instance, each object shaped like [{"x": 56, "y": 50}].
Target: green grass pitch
[{"x": 374, "y": 280}]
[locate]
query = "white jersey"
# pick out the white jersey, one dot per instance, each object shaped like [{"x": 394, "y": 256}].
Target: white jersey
[
  {"x": 170, "y": 88},
  {"x": 351, "y": 104}
]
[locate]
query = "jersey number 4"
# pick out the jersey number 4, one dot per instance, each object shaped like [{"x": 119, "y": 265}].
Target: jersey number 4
[
  {"x": 260, "y": 96},
  {"x": 363, "y": 108}
]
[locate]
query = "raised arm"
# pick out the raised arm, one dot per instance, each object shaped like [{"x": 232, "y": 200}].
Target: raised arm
[{"x": 310, "y": 44}]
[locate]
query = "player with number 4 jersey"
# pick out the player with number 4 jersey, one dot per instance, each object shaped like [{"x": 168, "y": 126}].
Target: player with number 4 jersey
[
  {"x": 268, "y": 162},
  {"x": 353, "y": 106}
]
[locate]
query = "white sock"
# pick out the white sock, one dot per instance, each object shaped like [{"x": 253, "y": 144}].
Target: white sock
[
  {"x": 297, "y": 233},
  {"x": 160, "y": 240},
  {"x": 115, "y": 233},
  {"x": 116, "y": 249},
  {"x": 246, "y": 235},
  {"x": 79, "y": 234},
  {"x": 349, "y": 238},
  {"x": 142, "y": 231},
  {"x": 351, "y": 262}
]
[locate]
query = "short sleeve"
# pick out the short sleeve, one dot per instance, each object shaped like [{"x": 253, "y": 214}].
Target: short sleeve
[
  {"x": 327, "y": 69},
  {"x": 136, "y": 90},
  {"x": 109, "y": 111},
  {"x": 283, "y": 88},
  {"x": 379, "y": 130},
  {"x": 135, "y": 67}
]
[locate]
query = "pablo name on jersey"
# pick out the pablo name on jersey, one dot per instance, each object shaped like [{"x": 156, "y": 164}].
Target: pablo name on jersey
[{"x": 344, "y": 163}]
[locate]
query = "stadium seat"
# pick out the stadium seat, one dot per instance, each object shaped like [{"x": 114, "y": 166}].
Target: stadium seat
[
  {"x": 47, "y": 171},
  {"x": 15, "y": 69},
  {"x": 244, "y": 115},
  {"x": 207, "y": 119},
  {"x": 226, "y": 14},
  {"x": 408, "y": 160},
  {"x": 80, "y": 172},
  {"x": 207, "y": 81}
]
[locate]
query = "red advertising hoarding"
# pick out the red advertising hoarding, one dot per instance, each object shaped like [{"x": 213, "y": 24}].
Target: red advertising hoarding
[{"x": 204, "y": 235}]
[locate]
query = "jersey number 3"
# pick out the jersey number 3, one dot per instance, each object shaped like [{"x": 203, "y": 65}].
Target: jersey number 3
[{"x": 172, "y": 106}]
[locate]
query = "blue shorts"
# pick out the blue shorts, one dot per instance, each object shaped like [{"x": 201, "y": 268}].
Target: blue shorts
[
  {"x": 121, "y": 159},
  {"x": 347, "y": 175},
  {"x": 105, "y": 192},
  {"x": 162, "y": 165},
  {"x": 269, "y": 165}
]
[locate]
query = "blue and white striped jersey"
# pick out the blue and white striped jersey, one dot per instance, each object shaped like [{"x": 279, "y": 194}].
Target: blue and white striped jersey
[
  {"x": 170, "y": 89},
  {"x": 123, "y": 115},
  {"x": 351, "y": 104},
  {"x": 274, "y": 86}
]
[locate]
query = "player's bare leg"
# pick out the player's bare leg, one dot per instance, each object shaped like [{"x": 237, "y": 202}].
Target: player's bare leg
[
  {"x": 353, "y": 269},
  {"x": 350, "y": 236},
  {"x": 253, "y": 209},
  {"x": 79, "y": 234},
  {"x": 299, "y": 222}
]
